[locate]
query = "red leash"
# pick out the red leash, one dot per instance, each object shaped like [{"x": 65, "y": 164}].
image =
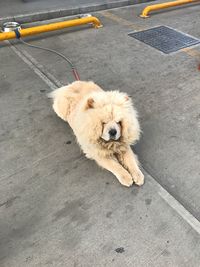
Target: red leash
[{"x": 76, "y": 75}]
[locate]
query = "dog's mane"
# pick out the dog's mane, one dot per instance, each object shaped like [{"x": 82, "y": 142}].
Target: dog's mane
[{"x": 113, "y": 146}]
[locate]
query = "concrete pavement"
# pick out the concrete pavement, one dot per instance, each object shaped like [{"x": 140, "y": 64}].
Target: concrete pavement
[{"x": 58, "y": 208}]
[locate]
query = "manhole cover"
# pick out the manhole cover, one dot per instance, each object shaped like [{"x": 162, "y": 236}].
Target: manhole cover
[{"x": 165, "y": 39}]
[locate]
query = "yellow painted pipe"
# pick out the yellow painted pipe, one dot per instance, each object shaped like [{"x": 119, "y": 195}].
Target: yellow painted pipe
[
  {"x": 146, "y": 10},
  {"x": 52, "y": 27}
]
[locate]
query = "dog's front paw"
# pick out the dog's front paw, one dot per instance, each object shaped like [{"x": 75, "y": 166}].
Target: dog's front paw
[
  {"x": 138, "y": 178},
  {"x": 126, "y": 180}
]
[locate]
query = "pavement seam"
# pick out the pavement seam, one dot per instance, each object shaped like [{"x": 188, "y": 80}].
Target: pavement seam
[{"x": 36, "y": 162}]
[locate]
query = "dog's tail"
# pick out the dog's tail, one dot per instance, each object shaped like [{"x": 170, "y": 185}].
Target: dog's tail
[
  {"x": 60, "y": 102},
  {"x": 55, "y": 92}
]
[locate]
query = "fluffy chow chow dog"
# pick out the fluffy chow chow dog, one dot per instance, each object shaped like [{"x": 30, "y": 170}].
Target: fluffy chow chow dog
[{"x": 105, "y": 125}]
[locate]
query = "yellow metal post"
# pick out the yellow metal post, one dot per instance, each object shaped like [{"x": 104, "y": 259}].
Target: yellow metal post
[
  {"x": 146, "y": 10},
  {"x": 52, "y": 27}
]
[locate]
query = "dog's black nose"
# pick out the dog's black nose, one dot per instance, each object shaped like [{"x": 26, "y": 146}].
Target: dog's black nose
[{"x": 112, "y": 132}]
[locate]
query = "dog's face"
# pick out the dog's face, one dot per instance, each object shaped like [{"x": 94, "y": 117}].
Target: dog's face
[
  {"x": 111, "y": 130},
  {"x": 110, "y": 116}
]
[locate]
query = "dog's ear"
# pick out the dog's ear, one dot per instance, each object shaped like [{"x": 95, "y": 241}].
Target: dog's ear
[
  {"x": 90, "y": 103},
  {"x": 127, "y": 97}
]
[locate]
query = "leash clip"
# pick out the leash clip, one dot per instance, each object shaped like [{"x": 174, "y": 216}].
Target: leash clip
[{"x": 17, "y": 33}]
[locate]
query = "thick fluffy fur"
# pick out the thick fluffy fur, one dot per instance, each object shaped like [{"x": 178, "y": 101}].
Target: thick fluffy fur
[{"x": 89, "y": 110}]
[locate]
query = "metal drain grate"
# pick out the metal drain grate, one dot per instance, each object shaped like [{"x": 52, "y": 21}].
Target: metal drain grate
[{"x": 165, "y": 39}]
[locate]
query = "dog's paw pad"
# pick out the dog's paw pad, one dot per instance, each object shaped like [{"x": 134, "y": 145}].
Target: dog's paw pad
[{"x": 126, "y": 181}]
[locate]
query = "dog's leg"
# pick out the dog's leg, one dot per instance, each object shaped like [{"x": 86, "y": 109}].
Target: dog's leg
[
  {"x": 130, "y": 162},
  {"x": 117, "y": 169}
]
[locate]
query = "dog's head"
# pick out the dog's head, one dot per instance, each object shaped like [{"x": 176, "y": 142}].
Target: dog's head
[{"x": 110, "y": 116}]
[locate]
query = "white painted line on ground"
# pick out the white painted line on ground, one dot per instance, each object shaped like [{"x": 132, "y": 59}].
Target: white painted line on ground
[
  {"x": 176, "y": 205},
  {"x": 50, "y": 76},
  {"x": 185, "y": 214},
  {"x": 36, "y": 67}
]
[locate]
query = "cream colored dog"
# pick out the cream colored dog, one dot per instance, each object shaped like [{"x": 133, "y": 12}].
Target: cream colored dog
[{"x": 105, "y": 125}]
